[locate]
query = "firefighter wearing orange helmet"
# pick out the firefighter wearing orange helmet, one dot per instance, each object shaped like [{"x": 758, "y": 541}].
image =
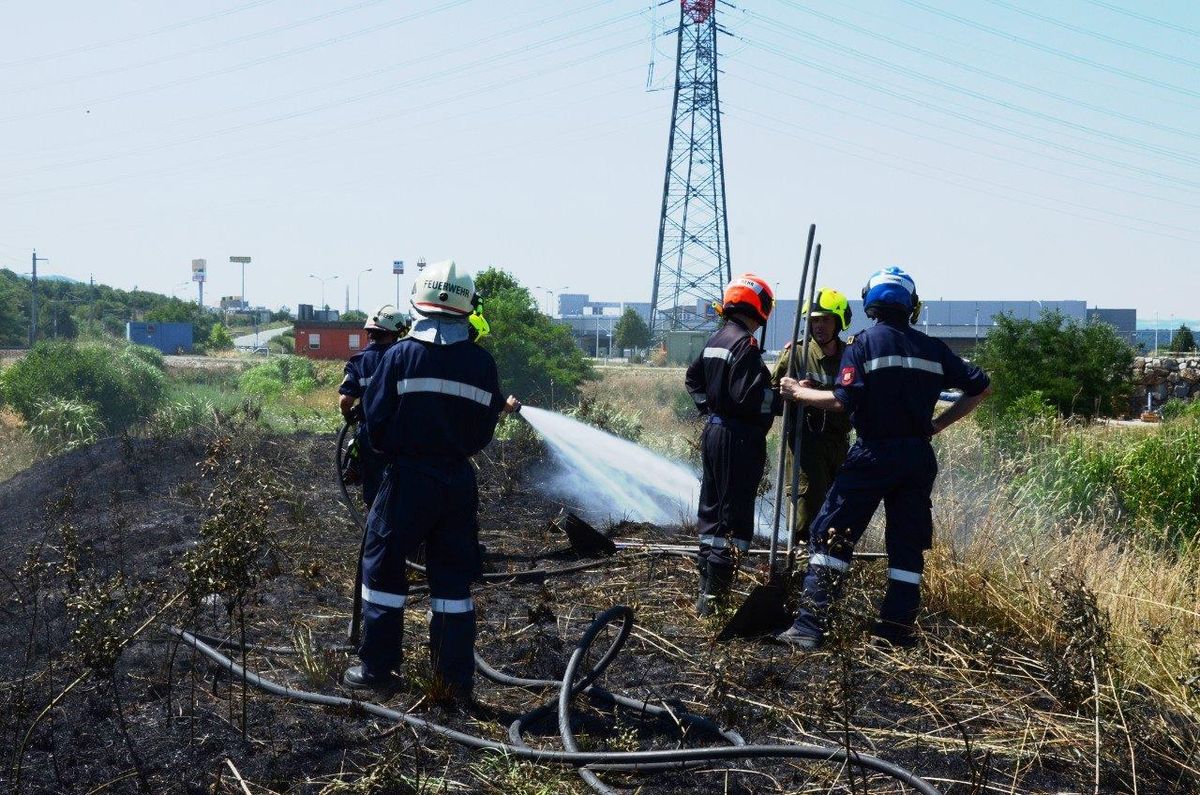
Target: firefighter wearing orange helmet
[{"x": 731, "y": 385}]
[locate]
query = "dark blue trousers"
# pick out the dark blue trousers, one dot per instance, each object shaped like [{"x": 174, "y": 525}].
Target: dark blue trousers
[
  {"x": 434, "y": 503},
  {"x": 900, "y": 474},
  {"x": 733, "y": 457}
]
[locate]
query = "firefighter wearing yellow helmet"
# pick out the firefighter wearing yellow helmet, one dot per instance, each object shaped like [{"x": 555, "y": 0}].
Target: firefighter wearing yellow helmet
[{"x": 826, "y": 433}]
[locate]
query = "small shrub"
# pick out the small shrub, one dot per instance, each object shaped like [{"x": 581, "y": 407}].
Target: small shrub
[
  {"x": 608, "y": 417},
  {"x": 180, "y": 416},
  {"x": 282, "y": 374},
  {"x": 219, "y": 339},
  {"x": 59, "y": 426},
  {"x": 124, "y": 384}
]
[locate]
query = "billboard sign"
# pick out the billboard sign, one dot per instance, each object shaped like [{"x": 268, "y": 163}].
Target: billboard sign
[
  {"x": 242, "y": 260},
  {"x": 199, "y": 269},
  {"x": 398, "y": 266}
]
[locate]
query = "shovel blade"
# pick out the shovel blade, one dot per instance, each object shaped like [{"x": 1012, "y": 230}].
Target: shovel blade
[
  {"x": 763, "y": 613},
  {"x": 585, "y": 539}
]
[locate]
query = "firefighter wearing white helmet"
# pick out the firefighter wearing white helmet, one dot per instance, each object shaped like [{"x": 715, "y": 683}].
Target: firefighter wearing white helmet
[
  {"x": 433, "y": 403},
  {"x": 889, "y": 382},
  {"x": 826, "y": 433},
  {"x": 383, "y": 328}
]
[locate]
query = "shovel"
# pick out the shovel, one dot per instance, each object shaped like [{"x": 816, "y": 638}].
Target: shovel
[{"x": 765, "y": 609}]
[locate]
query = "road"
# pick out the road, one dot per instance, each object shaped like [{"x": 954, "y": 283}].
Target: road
[{"x": 248, "y": 340}]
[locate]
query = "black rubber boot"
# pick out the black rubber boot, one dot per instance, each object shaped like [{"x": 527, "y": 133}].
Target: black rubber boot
[
  {"x": 716, "y": 589},
  {"x": 701, "y": 602}
]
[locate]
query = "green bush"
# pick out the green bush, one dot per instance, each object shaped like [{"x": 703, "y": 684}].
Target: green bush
[
  {"x": 282, "y": 374},
  {"x": 219, "y": 339},
  {"x": 120, "y": 382},
  {"x": 1079, "y": 368},
  {"x": 1158, "y": 480},
  {"x": 59, "y": 426},
  {"x": 537, "y": 358},
  {"x": 607, "y": 417}
]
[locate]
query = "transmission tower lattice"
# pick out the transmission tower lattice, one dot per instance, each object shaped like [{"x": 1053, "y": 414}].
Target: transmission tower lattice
[{"x": 692, "y": 265}]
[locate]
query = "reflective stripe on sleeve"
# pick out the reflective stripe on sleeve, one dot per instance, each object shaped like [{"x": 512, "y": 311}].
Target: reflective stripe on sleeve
[
  {"x": 829, "y": 561},
  {"x": 718, "y": 353},
  {"x": 907, "y": 362},
  {"x": 408, "y": 386},
  {"x": 900, "y": 575},
  {"x": 768, "y": 400},
  {"x": 717, "y": 542},
  {"x": 383, "y": 598},
  {"x": 365, "y": 381},
  {"x": 452, "y": 605}
]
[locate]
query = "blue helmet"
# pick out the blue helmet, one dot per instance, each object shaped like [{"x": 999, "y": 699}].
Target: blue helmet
[{"x": 891, "y": 287}]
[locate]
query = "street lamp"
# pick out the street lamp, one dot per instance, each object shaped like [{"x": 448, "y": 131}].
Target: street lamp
[
  {"x": 322, "y": 281},
  {"x": 243, "y": 261},
  {"x": 358, "y": 286}
]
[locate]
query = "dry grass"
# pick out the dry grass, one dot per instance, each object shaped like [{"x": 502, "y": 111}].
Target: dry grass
[{"x": 18, "y": 448}]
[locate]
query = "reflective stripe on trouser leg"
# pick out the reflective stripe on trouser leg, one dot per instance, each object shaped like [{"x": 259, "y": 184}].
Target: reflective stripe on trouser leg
[
  {"x": 902, "y": 600},
  {"x": 451, "y": 624},
  {"x": 452, "y": 646},
  {"x": 822, "y": 585}
]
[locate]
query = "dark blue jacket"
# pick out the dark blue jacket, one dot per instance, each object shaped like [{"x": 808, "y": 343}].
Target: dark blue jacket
[
  {"x": 361, "y": 368},
  {"x": 433, "y": 402},
  {"x": 731, "y": 381},
  {"x": 891, "y": 377}
]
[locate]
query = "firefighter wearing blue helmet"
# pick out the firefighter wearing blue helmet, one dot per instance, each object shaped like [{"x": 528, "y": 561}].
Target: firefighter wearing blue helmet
[
  {"x": 889, "y": 382},
  {"x": 432, "y": 403}
]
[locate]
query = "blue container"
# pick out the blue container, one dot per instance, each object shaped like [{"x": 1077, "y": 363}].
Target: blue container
[{"x": 169, "y": 338}]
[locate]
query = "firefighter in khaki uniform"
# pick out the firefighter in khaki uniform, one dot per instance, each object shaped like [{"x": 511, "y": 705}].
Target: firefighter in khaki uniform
[{"x": 826, "y": 433}]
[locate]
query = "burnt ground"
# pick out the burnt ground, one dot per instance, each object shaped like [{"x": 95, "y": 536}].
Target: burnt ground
[{"x": 236, "y": 534}]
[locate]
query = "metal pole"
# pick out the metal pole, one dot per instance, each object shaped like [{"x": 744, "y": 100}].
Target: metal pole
[
  {"x": 789, "y": 412},
  {"x": 33, "y": 317},
  {"x": 358, "y": 288},
  {"x": 799, "y": 434}
]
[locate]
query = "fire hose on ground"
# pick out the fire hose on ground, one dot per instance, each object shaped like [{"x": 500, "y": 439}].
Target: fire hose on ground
[
  {"x": 588, "y": 762},
  {"x": 568, "y": 687}
]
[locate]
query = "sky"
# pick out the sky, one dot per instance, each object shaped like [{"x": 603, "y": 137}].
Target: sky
[{"x": 996, "y": 149}]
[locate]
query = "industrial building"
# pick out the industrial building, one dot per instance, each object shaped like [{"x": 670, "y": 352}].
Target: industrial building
[{"x": 961, "y": 324}]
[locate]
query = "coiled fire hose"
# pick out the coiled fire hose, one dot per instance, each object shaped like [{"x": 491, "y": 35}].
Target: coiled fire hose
[{"x": 568, "y": 687}]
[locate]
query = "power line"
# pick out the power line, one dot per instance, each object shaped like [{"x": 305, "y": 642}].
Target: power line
[
  {"x": 1053, "y": 50},
  {"x": 358, "y": 77},
  {"x": 49, "y": 56},
  {"x": 1095, "y": 34},
  {"x": 974, "y": 151},
  {"x": 238, "y": 67},
  {"x": 891, "y": 66},
  {"x": 877, "y": 85},
  {"x": 985, "y": 73},
  {"x": 1145, "y": 18},
  {"x": 420, "y": 80},
  {"x": 972, "y": 182}
]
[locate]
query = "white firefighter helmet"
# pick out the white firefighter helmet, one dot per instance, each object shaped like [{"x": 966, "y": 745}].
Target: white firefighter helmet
[
  {"x": 441, "y": 291},
  {"x": 387, "y": 318}
]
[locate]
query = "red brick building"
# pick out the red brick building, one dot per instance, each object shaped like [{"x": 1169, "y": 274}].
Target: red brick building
[{"x": 333, "y": 340}]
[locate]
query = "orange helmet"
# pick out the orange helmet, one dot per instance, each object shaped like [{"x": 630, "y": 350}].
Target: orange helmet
[{"x": 751, "y": 292}]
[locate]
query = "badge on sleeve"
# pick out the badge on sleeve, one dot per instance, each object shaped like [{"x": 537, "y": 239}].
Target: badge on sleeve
[{"x": 848, "y": 376}]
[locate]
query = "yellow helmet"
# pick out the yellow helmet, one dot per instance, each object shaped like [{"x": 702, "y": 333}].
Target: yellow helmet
[{"x": 831, "y": 302}]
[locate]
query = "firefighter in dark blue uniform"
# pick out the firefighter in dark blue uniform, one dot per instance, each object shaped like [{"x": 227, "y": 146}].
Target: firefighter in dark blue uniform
[
  {"x": 432, "y": 404},
  {"x": 383, "y": 329},
  {"x": 889, "y": 382},
  {"x": 731, "y": 385}
]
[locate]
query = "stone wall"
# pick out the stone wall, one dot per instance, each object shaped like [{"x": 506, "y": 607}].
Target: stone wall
[{"x": 1166, "y": 376}]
